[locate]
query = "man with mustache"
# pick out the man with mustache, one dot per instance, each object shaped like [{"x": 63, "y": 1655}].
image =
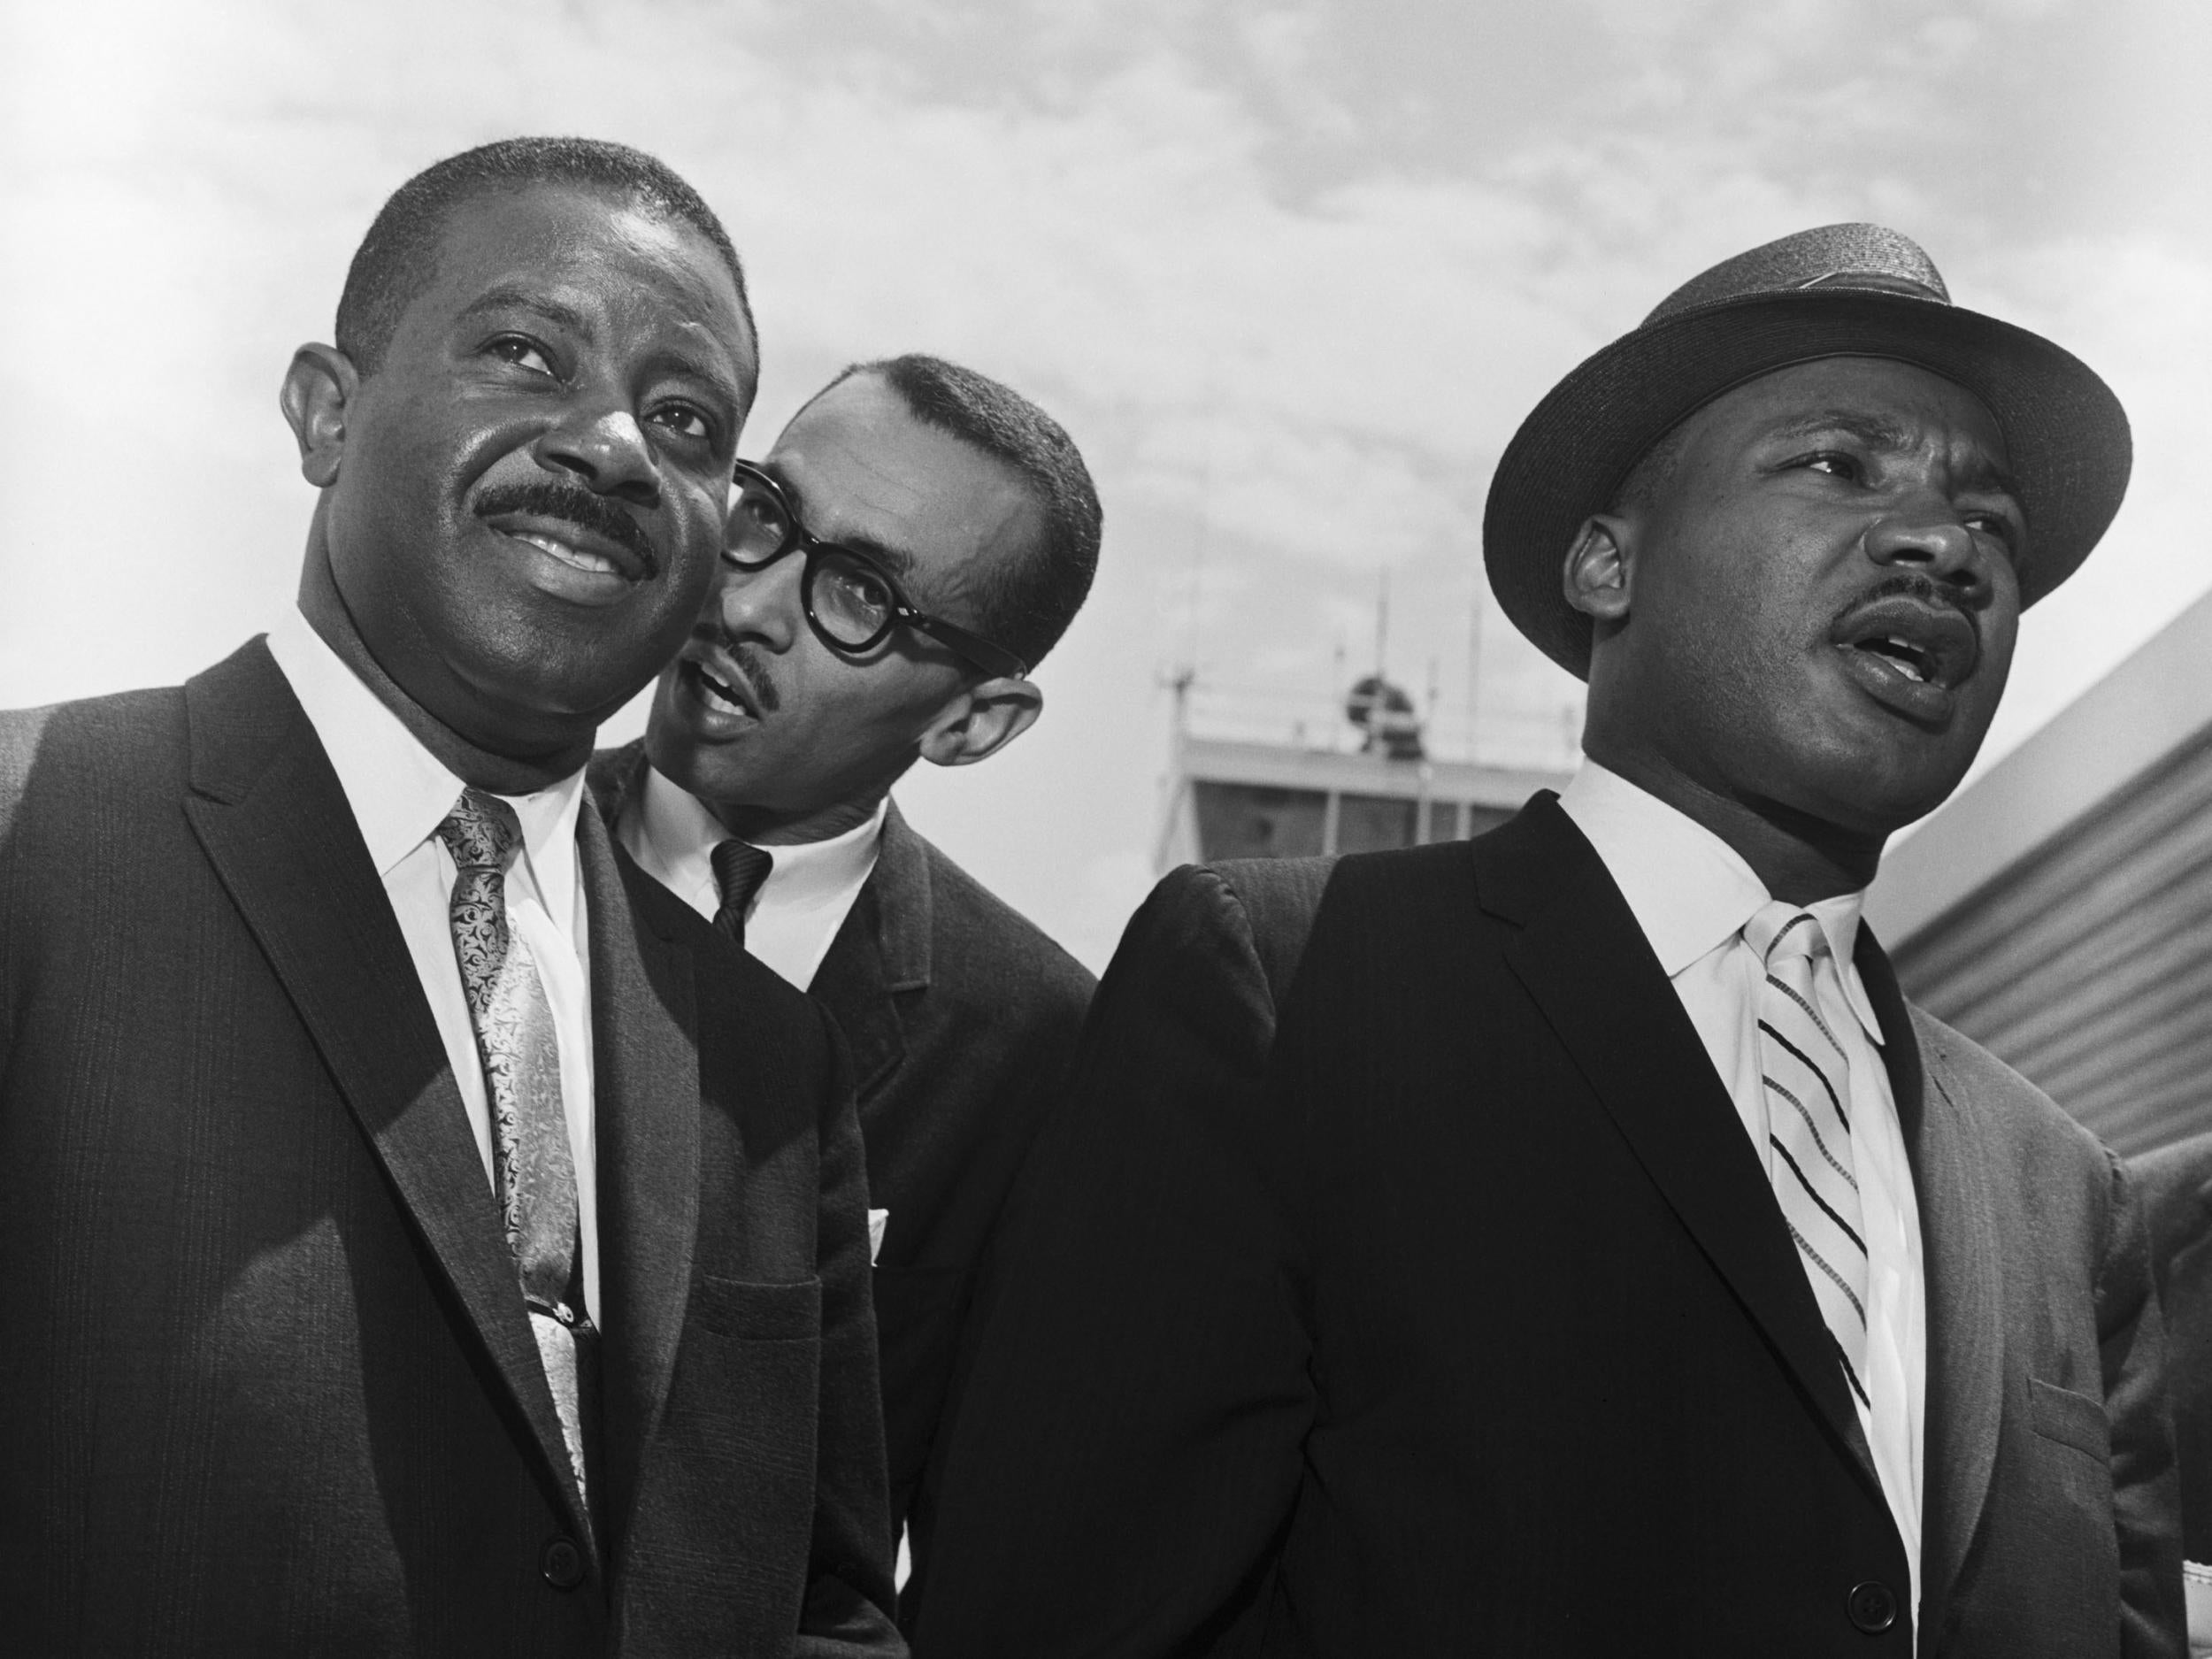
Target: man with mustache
[
  {"x": 396, "y": 1263},
  {"x": 918, "y": 539},
  {"x": 1570, "y": 1242}
]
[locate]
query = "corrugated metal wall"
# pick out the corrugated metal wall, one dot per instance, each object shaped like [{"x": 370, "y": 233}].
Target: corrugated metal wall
[{"x": 2087, "y": 966}]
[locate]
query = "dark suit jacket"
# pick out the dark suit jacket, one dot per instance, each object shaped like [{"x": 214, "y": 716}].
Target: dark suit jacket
[
  {"x": 2177, "y": 1183},
  {"x": 268, "y": 1383},
  {"x": 1440, "y": 1305},
  {"x": 962, "y": 1016}
]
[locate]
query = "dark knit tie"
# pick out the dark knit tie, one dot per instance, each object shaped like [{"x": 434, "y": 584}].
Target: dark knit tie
[
  {"x": 522, "y": 1078},
  {"x": 739, "y": 870}
]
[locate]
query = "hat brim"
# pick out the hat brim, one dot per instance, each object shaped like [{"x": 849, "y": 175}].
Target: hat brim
[{"x": 2066, "y": 435}]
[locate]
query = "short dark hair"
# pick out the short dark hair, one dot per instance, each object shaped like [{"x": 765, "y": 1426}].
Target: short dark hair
[
  {"x": 398, "y": 259},
  {"x": 1027, "y": 603}
]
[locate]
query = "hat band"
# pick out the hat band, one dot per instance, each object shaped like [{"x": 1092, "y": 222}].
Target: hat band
[{"x": 1876, "y": 282}]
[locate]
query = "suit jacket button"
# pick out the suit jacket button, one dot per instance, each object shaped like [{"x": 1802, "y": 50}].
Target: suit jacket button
[
  {"x": 1872, "y": 1607},
  {"x": 562, "y": 1564}
]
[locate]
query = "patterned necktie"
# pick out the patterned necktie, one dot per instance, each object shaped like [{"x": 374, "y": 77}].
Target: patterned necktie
[
  {"x": 522, "y": 1078},
  {"x": 1809, "y": 1114},
  {"x": 739, "y": 870}
]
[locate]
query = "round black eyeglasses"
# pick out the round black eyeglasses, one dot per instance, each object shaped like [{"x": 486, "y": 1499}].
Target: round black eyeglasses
[{"x": 850, "y": 600}]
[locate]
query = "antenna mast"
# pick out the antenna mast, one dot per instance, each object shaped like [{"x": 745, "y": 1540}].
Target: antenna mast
[{"x": 1382, "y": 619}]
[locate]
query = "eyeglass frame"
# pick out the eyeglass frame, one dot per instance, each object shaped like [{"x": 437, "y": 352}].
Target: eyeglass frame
[{"x": 973, "y": 647}]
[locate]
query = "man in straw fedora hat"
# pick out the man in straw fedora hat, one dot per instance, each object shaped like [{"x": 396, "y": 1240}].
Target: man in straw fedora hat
[{"x": 1572, "y": 1241}]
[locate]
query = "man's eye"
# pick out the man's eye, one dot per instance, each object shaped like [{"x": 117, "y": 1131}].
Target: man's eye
[
  {"x": 859, "y": 589},
  {"x": 523, "y": 352},
  {"x": 1835, "y": 463},
  {"x": 684, "y": 421},
  {"x": 1993, "y": 524}
]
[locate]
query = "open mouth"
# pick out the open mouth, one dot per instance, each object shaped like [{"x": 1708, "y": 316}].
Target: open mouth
[
  {"x": 1905, "y": 657},
  {"x": 1919, "y": 644},
  {"x": 722, "y": 695}
]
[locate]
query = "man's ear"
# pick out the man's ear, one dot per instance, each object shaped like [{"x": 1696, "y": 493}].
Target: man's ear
[
  {"x": 319, "y": 388},
  {"x": 1599, "y": 573},
  {"x": 981, "y": 721}
]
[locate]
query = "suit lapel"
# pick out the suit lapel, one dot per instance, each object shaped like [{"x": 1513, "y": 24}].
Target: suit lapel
[
  {"x": 646, "y": 1066},
  {"x": 1584, "y": 961},
  {"x": 275, "y": 823},
  {"x": 880, "y": 951},
  {"x": 616, "y": 777},
  {"x": 1960, "y": 1257}
]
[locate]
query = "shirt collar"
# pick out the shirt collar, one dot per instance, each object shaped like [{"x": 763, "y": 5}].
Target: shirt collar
[
  {"x": 673, "y": 834},
  {"x": 399, "y": 791},
  {"x": 808, "y": 874},
  {"x": 1689, "y": 890}
]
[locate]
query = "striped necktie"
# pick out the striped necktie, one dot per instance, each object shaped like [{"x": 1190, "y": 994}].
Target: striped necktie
[
  {"x": 1809, "y": 1114},
  {"x": 739, "y": 868},
  {"x": 522, "y": 1079}
]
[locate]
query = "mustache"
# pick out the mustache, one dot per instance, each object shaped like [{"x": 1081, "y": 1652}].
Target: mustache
[
  {"x": 750, "y": 661},
  {"x": 544, "y": 498},
  {"x": 1907, "y": 585}
]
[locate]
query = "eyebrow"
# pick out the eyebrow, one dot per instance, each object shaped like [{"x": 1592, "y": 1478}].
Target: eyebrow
[
  {"x": 512, "y": 296},
  {"x": 1989, "y": 476},
  {"x": 691, "y": 368},
  {"x": 898, "y": 561},
  {"x": 1877, "y": 433},
  {"x": 1871, "y": 430}
]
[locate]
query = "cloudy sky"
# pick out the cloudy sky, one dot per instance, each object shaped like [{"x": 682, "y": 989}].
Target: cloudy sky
[{"x": 1291, "y": 274}]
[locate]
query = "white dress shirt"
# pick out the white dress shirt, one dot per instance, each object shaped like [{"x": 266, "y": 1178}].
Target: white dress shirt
[
  {"x": 400, "y": 793},
  {"x": 1691, "y": 893},
  {"x": 809, "y": 890}
]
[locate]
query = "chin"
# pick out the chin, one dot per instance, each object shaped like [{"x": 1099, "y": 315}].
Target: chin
[
  {"x": 552, "y": 692},
  {"x": 1875, "y": 772},
  {"x": 1881, "y": 797}
]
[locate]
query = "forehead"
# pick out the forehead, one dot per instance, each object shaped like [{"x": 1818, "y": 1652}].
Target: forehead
[
  {"x": 642, "y": 269},
  {"x": 865, "y": 470},
  {"x": 1894, "y": 403}
]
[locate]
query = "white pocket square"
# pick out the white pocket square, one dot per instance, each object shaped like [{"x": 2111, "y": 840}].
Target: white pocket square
[{"x": 878, "y": 1220}]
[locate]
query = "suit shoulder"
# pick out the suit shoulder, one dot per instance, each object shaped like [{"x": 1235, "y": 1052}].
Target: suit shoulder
[
  {"x": 2037, "y": 1127},
  {"x": 991, "y": 934},
  {"x": 1187, "y": 964},
  {"x": 1189, "y": 922},
  {"x": 1275, "y": 884},
  {"x": 121, "y": 723},
  {"x": 70, "y": 746},
  {"x": 2176, "y": 1182},
  {"x": 1238, "y": 927},
  {"x": 1414, "y": 867},
  {"x": 1194, "y": 906}
]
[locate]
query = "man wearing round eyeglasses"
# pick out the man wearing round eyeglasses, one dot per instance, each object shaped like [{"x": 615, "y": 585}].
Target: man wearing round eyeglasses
[{"x": 918, "y": 539}]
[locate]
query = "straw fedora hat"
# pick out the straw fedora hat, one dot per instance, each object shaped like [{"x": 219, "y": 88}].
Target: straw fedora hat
[{"x": 1842, "y": 290}]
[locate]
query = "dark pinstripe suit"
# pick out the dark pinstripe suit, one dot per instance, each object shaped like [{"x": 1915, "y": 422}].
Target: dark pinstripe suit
[
  {"x": 266, "y": 1384},
  {"x": 1411, "y": 1288}
]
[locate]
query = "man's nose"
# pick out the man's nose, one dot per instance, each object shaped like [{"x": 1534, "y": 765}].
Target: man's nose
[
  {"x": 605, "y": 450},
  {"x": 1925, "y": 535},
  {"x": 762, "y": 604}
]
